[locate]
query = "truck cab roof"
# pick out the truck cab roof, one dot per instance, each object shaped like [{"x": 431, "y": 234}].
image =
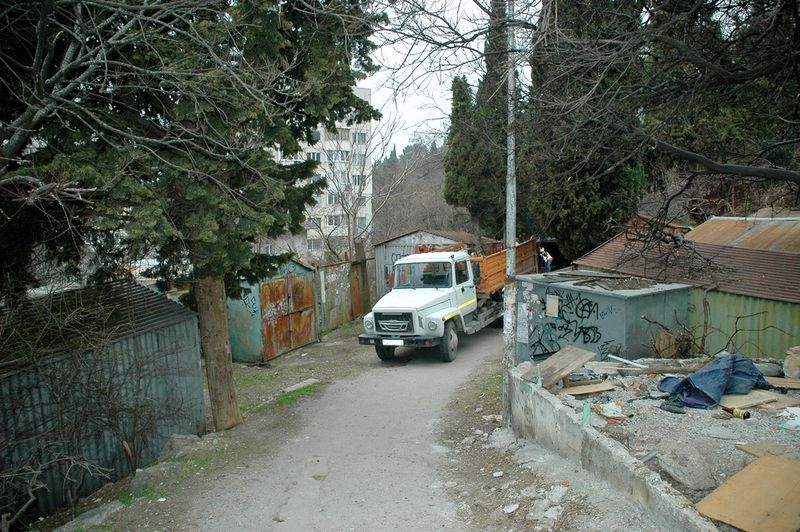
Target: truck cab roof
[{"x": 436, "y": 256}]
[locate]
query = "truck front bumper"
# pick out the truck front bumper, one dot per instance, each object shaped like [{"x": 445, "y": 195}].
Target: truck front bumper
[{"x": 405, "y": 341}]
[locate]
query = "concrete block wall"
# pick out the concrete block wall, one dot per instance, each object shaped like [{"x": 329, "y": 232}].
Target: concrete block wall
[{"x": 538, "y": 415}]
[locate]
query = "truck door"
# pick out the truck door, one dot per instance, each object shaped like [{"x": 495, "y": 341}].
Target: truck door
[{"x": 465, "y": 288}]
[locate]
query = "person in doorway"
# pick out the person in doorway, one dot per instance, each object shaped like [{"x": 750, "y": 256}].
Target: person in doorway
[{"x": 546, "y": 258}]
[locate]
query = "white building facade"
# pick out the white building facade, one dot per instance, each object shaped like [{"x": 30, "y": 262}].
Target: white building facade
[{"x": 343, "y": 211}]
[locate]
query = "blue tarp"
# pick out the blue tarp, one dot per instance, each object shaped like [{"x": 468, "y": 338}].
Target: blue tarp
[{"x": 727, "y": 374}]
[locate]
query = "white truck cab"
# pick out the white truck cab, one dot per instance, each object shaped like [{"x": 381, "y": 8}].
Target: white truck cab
[{"x": 433, "y": 298}]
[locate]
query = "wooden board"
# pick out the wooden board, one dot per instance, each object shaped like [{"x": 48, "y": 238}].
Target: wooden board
[
  {"x": 764, "y": 496},
  {"x": 559, "y": 365},
  {"x": 781, "y": 402},
  {"x": 754, "y": 398},
  {"x": 791, "y": 384},
  {"x": 587, "y": 389},
  {"x": 764, "y": 448}
]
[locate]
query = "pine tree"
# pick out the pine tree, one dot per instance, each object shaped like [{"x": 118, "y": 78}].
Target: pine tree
[
  {"x": 475, "y": 167},
  {"x": 170, "y": 132}
]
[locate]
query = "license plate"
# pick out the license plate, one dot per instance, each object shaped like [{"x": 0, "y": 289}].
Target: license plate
[{"x": 392, "y": 342}]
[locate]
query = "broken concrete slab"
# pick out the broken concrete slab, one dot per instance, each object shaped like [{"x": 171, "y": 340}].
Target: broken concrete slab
[
  {"x": 91, "y": 518},
  {"x": 299, "y": 385},
  {"x": 144, "y": 476},
  {"x": 684, "y": 463}
]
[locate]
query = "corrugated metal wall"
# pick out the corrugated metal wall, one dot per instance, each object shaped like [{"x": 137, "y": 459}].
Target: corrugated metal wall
[
  {"x": 72, "y": 405},
  {"x": 388, "y": 252},
  {"x": 772, "y": 328},
  {"x": 274, "y": 315}
]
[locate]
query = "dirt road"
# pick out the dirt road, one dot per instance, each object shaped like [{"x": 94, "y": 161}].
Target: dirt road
[
  {"x": 365, "y": 459},
  {"x": 415, "y": 444}
]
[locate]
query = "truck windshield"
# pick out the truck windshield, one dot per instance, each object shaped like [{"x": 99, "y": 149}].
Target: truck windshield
[{"x": 423, "y": 275}]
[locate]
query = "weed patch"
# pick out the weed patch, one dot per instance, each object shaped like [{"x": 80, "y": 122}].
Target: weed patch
[
  {"x": 291, "y": 397},
  {"x": 146, "y": 491}
]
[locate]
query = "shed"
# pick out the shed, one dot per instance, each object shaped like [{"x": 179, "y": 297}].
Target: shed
[
  {"x": 742, "y": 299},
  {"x": 597, "y": 312},
  {"x": 275, "y": 315},
  {"x": 388, "y": 251},
  {"x": 93, "y": 380}
]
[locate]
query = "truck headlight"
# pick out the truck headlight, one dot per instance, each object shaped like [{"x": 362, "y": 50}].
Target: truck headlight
[
  {"x": 431, "y": 325},
  {"x": 368, "y": 323}
]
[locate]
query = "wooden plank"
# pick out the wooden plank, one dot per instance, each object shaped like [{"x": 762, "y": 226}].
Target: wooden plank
[
  {"x": 630, "y": 372},
  {"x": 764, "y": 496},
  {"x": 791, "y": 384},
  {"x": 587, "y": 389},
  {"x": 559, "y": 365},
  {"x": 781, "y": 402},
  {"x": 754, "y": 398},
  {"x": 764, "y": 448}
]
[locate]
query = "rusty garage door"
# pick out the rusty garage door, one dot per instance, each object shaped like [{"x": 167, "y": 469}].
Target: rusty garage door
[{"x": 287, "y": 313}]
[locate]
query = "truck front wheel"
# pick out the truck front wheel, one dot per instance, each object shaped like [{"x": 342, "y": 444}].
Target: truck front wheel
[
  {"x": 449, "y": 345},
  {"x": 384, "y": 352}
]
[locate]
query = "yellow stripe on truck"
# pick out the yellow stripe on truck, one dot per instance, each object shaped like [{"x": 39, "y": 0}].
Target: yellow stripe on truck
[{"x": 458, "y": 311}]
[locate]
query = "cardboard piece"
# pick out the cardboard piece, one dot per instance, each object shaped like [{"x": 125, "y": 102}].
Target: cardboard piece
[
  {"x": 559, "y": 365},
  {"x": 790, "y": 384},
  {"x": 754, "y": 398},
  {"x": 587, "y": 389},
  {"x": 764, "y": 496},
  {"x": 764, "y": 448}
]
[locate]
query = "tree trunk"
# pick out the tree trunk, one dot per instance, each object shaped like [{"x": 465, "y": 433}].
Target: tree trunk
[{"x": 213, "y": 317}]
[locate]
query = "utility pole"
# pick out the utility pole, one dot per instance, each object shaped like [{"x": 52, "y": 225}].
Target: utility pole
[{"x": 510, "y": 290}]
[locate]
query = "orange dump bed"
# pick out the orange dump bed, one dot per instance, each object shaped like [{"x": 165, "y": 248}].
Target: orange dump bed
[{"x": 493, "y": 267}]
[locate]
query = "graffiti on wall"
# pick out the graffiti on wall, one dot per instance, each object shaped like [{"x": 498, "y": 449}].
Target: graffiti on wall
[
  {"x": 250, "y": 302},
  {"x": 579, "y": 321}
]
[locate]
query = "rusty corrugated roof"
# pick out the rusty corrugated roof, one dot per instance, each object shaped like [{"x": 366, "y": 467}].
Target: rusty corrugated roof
[
  {"x": 758, "y": 273},
  {"x": 775, "y": 234}
]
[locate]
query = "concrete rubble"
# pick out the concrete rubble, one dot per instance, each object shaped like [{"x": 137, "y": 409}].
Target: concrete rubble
[{"x": 687, "y": 455}]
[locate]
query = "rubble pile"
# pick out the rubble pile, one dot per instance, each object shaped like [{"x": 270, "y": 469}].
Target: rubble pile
[{"x": 679, "y": 417}]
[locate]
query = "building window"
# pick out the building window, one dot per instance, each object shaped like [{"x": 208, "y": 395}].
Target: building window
[
  {"x": 334, "y": 220},
  {"x": 340, "y": 134},
  {"x": 312, "y": 156},
  {"x": 359, "y": 158},
  {"x": 361, "y": 222},
  {"x": 338, "y": 156},
  {"x": 360, "y": 137},
  {"x": 315, "y": 221},
  {"x": 314, "y": 244},
  {"x": 358, "y": 180},
  {"x": 331, "y": 198},
  {"x": 315, "y": 135}
]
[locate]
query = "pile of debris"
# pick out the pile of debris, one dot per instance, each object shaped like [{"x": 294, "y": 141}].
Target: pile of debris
[{"x": 716, "y": 428}]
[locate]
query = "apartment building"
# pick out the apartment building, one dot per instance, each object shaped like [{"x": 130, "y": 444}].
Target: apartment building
[{"x": 343, "y": 211}]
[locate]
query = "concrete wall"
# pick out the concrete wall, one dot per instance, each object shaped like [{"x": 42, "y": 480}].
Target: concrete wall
[
  {"x": 599, "y": 320},
  {"x": 538, "y": 415},
  {"x": 334, "y": 287}
]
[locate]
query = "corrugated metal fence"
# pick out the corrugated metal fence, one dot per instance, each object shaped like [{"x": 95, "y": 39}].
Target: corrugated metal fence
[
  {"x": 765, "y": 327},
  {"x": 71, "y": 422}
]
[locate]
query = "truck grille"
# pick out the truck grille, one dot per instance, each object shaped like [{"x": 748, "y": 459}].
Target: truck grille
[{"x": 394, "y": 323}]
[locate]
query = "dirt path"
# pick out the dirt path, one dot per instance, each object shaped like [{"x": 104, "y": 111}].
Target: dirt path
[{"x": 411, "y": 445}]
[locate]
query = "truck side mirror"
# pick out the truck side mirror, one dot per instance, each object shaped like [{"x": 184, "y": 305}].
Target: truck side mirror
[{"x": 476, "y": 273}]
